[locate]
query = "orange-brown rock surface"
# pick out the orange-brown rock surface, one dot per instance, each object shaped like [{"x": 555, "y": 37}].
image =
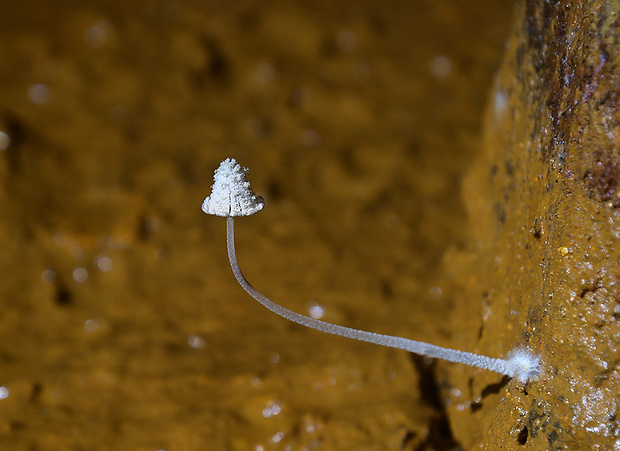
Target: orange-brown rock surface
[
  {"x": 121, "y": 326},
  {"x": 542, "y": 268}
]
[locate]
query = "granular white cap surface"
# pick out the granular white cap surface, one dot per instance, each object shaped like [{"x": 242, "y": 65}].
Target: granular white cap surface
[{"x": 231, "y": 194}]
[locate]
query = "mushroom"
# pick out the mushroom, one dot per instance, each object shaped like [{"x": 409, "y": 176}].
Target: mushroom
[{"x": 232, "y": 196}]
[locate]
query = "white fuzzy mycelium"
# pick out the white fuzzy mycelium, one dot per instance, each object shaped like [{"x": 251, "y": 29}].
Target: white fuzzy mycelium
[{"x": 524, "y": 365}]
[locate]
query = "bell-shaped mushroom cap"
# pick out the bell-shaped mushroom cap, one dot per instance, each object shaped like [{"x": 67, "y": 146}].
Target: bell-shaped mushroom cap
[{"x": 231, "y": 194}]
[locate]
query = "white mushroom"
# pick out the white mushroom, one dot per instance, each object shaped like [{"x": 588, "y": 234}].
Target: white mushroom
[{"x": 233, "y": 196}]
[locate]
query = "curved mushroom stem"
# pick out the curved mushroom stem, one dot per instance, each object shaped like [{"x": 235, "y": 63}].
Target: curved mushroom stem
[{"x": 522, "y": 364}]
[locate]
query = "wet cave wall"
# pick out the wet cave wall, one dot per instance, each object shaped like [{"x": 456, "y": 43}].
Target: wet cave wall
[{"x": 541, "y": 268}]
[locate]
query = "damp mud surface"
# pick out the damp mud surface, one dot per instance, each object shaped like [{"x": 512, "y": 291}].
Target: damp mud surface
[{"x": 121, "y": 325}]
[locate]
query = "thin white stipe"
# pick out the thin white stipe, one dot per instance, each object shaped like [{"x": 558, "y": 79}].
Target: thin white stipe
[{"x": 521, "y": 364}]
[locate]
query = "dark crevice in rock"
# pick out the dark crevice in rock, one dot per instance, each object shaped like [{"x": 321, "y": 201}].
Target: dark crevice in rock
[
  {"x": 440, "y": 435},
  {"x": 494, "y": 389}
]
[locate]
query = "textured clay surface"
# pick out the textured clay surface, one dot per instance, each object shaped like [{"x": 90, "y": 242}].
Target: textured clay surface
[
  {"x": 542, "y": 267},
  {"x": 121, "y": 325}
]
